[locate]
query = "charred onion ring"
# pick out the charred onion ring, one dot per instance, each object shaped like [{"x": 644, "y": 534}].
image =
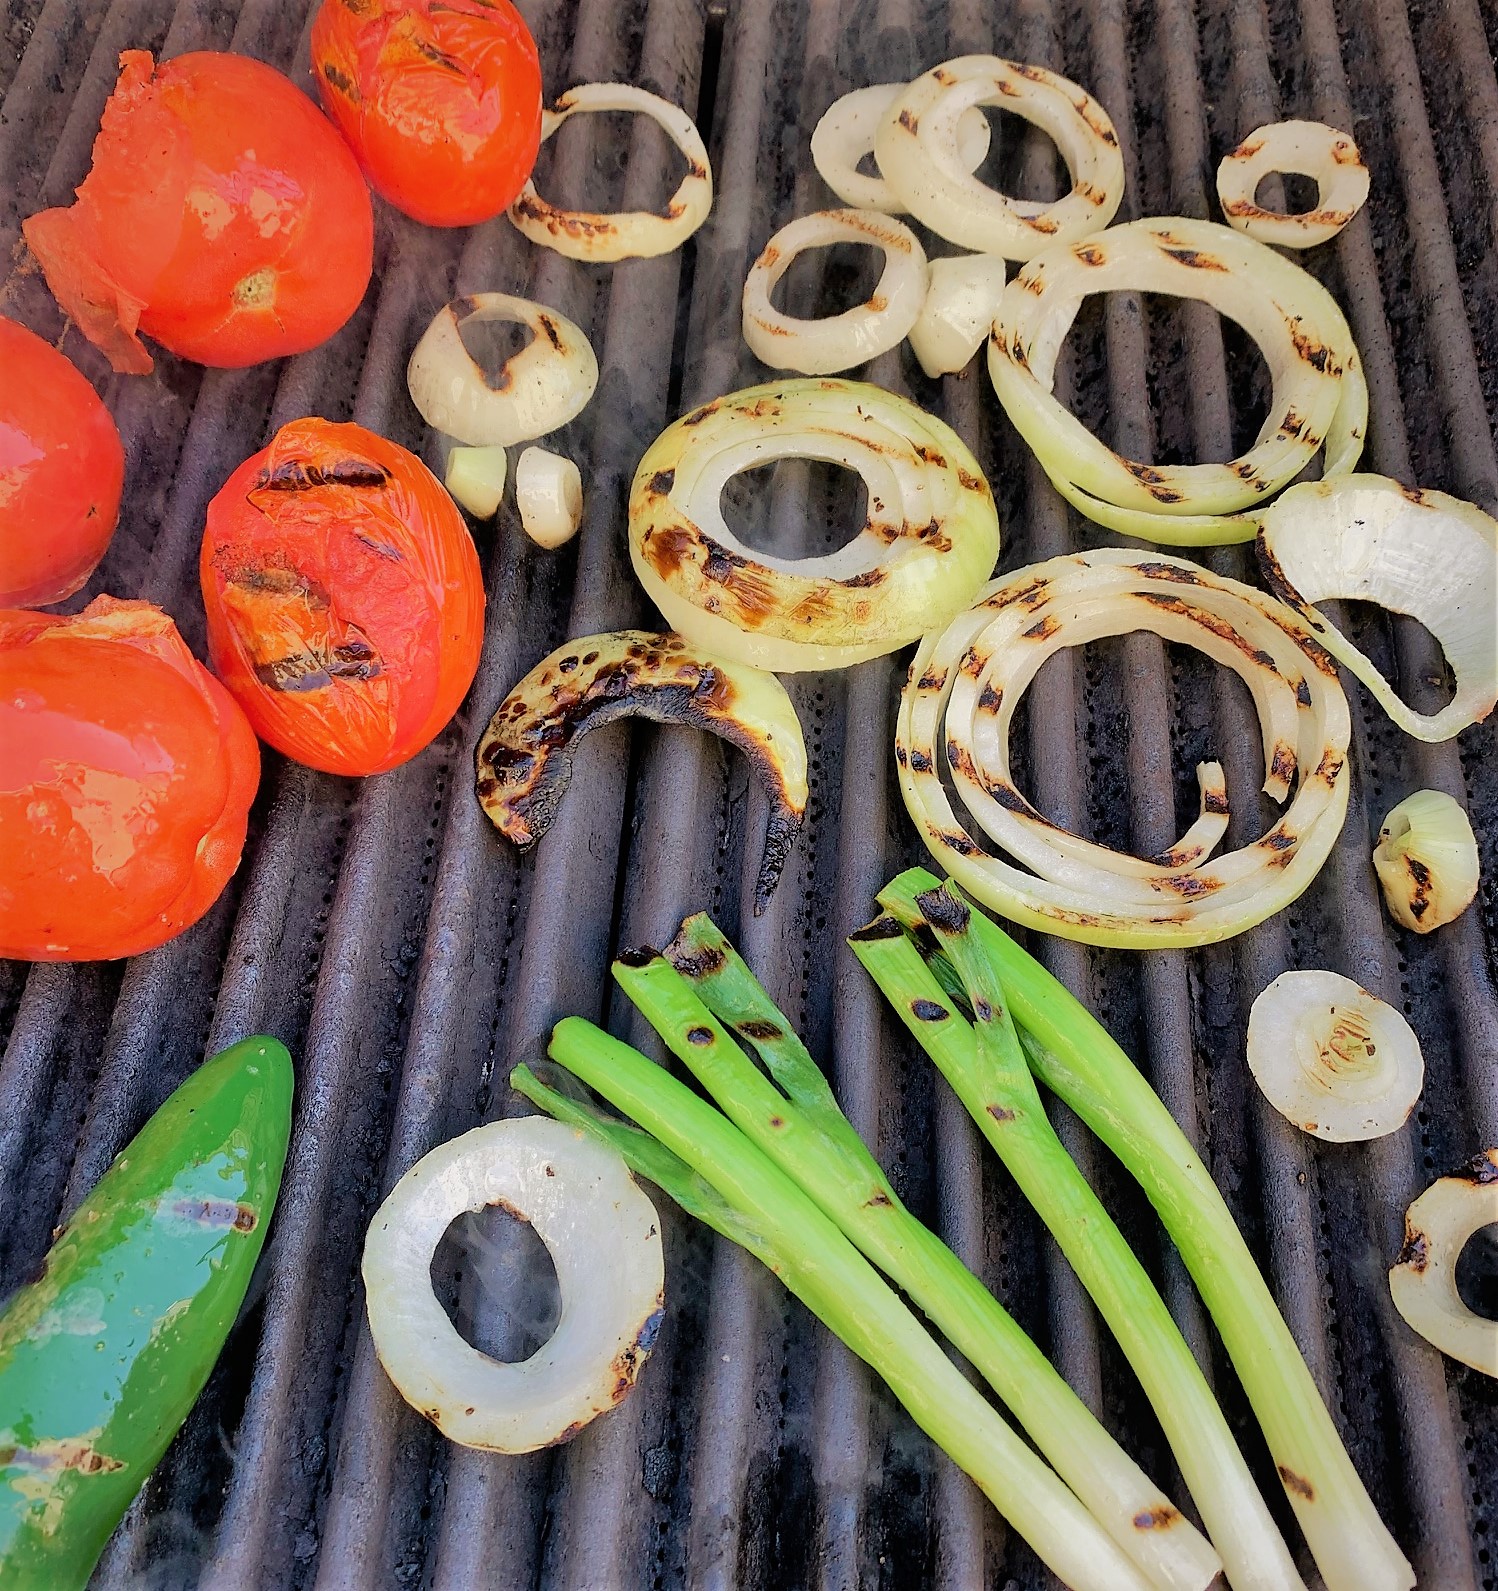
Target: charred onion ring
[{"x": 1309, "y": 149}]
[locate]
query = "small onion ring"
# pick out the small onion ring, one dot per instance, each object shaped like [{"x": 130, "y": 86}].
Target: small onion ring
[
  {"x": 958, "y": 704},
  {"x": 835, "y": 342},
  {"x": 916, "y": 145},
  {"x": 1309, "y": 149},
  {"x": 628, "y": 234},
  {"x": 963, "y": 292},
  {"x": 604, "y": 1238},
  {"x": 549, "y": 495},
  {"x": 930, "y": 540},
  {"x": 543, "y": 386}
]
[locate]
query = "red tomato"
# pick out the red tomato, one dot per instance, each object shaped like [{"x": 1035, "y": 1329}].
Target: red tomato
[
  {"x": 61, "y": 469},
  {"x": 126, "y": 777},
  {"x": 345, "y": 604},
  {"x": 441, "y": 100},
  {"x": 222, "y": 216}
]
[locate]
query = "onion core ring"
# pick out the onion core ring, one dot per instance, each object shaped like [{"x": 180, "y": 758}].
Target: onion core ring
[{"x": 1309, "y": 149}]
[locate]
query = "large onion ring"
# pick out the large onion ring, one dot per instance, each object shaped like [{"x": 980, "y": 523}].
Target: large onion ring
[
  {"x": 1320, "y": 398},
  {"x": 929, "y": 542},
  {"x": 835, "y": 342},
  {"x": 629, "y": 234},
  {"x": 959, "y": 702},
  {"x": 917, "y": 147},
  {"x": 1309, "y": 149},
  {"x": 604, "y": 1239}
]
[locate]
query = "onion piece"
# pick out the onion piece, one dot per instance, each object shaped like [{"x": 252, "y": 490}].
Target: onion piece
[
  {"x": 1422, "y": 553},
  {"x": 475, "y": 479},
  {"x": 536, "y": 390},
  {"x": 1309, "y": 149},
  {"x": 845, "y": 135},
  {"x": 627, "y": 234},
  {"x": 929, "y": 541},
  {"x": 1333, "y": 1059},
  {"x": 835, "y": 342},
  {"x": 962, "y": 297},
  {"x": 525, "y": 755},
  {"x": 957, "y": 709},
  {"x": 549, "y": 495},
  {"x": 604, "y": 1239},
  {"x": 917, "y": 148},
  {"x": 1426, "y": 861},
  {"x": 1423, "y": 1280}
]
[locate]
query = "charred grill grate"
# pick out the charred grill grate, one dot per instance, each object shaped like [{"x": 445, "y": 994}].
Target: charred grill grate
[{"x": 408, "y": 956}]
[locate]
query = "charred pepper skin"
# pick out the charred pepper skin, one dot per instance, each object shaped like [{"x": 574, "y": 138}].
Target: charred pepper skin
[{"x": 103, "y": 1355}]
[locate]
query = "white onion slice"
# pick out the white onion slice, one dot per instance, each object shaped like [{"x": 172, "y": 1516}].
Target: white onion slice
[
  {"x": 1333, "y": 1059},
  {"x": 1309, "y": 149},
  {"x": 918, "y": 151},
  {"x": 549, "y": 495},
  {"x": 475, "y": 479},
  {"x": 604, "y": 1240},
  {"x": 835, "y": 342},
  {"x": 1426, "y": 861},
  {"x": 845, "y": 135},
  {"x": 929, "y": 541},
  {"x": 536, "y": 390},
  {"x": 1423, "y": 1281},
  {"x": 626, "y": 234},
  {"x": 962, "y": 297},
  {"x": 1422, "y": 553}
]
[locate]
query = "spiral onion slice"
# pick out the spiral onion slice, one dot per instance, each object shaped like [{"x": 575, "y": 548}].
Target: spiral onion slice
[
  {"x": 1310, "y": 149},
  {"x": 954, "y": 722}
]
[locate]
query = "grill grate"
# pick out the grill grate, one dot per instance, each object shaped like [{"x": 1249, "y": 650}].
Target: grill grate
[{"x": 409, "y": 957}]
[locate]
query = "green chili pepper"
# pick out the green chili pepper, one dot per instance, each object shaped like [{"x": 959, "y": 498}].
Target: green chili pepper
[{"x": 102, "y": 1357}]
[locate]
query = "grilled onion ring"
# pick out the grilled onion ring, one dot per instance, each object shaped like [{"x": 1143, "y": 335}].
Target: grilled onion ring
[
  {"x": 917, "y": 147},
  {"x": 1320, "y": 398},
  {"x": 629, "y": 234},
  {"x": 929, "y": 542},
  {"x": 958, "y": 704},
  {"x": 1309, "y": 149}
]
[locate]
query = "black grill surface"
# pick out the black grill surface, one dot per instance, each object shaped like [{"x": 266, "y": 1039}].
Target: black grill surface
[{"x": 408, "y": 956}]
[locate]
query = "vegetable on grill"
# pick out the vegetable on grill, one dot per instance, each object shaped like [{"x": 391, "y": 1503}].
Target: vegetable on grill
[
  {"x": 549, "y": 496},
  {"x": 1426, "y": 860},
  {"x": 962, "y": 298},
  {"x": 104, "y": 1354},
  {"x": 1310, "y": 149},
  {"x": 475, "y": 479}
]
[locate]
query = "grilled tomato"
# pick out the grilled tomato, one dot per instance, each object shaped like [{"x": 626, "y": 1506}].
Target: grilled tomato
[
  {"x": 345, "y": 604},
  {"x": 61, "y": 468},
  {"x": 223, "y": 216},
  {"x": 126, "y": 776},
  {"x": 441, "y": 100}
]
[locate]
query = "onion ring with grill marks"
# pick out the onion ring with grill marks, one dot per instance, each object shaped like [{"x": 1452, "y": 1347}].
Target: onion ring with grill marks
[{"x": 1309, "y": 149}]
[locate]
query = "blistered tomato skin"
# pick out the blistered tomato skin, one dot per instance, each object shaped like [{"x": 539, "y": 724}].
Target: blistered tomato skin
[
  {"x": 61, "y": 470},
  {"x": 440, "y": 99},
  {"x": 126, "y": 777},
  {"x": 344, "y": 597},
  {"x": 222, "y": 216}
]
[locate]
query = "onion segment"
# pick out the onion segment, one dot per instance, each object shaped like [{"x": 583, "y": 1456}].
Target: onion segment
[
  {"x": 1423, "y": 1279},
  {"x": 929, "y": 542},
  {"x": 627, "y": 234},
  {"x": 1319, "y": 401},
  {"x": 536, "y": 390},
  {"x": 962, "y": 297},
  {"x": 1426, "y": 861},
  {"x": 845, "y": 135},
  {"x": 1422, "y": 553},
  {"x": 525, "y": 755},
  {"x": 835, "y": 342},
  {"x": 1309, "y": 149},
  {"x": 917, "y": 147},
  {"x": 603, "y": 1237},
  {"x": 549, "y": 495},
  {"x": 475, "y": 479},
  {"x": 1333, "y": 1059},
  {"x": 959, "y": 702}
]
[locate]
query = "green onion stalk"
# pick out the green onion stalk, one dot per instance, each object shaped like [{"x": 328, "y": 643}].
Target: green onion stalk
[{"x": 1074, "y": 1056}]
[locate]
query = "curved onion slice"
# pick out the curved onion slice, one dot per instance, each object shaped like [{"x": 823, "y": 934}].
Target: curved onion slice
[
  {"x": 834, "y": 342},
  {"x": 1320, "y": 398},
  {"x": 525, "y": 755},
  {"x": 1416, "y": 552},
  {"x": 629, "y": 234},
  {"x": 1423, "y": 1279},
  {"x": 475, "y": 479},
  {"x": 845, "y": 135},
  {"x": 1310, "y": 149},
  {"x": 959, "y": 702},
  {"x": 1426, "y": 861},
  {"x": 604, "y": 1239},
  {"x": 1332, "y": 1058},
  {"x": 929, "y": 542},
  {"x": 536, "y": 390},
  {"x": 549, "y": 495},
  {"x": 962, "y": 298},
  {"x": 917, "y": 148}
]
